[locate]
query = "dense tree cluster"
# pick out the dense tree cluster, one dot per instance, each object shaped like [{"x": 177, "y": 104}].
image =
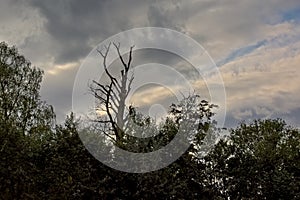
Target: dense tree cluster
[{"x": 40, "y": 159}]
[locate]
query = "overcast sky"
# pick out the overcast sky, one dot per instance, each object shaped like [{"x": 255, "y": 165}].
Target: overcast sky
[{"x": 255, "y": 44}]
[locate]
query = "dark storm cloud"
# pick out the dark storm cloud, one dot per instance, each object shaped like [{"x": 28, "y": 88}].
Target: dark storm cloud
[
  {"x": 75, "y": 25},
  {"x": 69, "y": 26}
]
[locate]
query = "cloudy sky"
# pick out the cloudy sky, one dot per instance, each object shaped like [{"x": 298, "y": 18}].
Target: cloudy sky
[{"x": 255, "y": 44}]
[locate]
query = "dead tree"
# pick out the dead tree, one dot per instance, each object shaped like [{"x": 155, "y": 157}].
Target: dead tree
[{"x": 111, "y": 97}]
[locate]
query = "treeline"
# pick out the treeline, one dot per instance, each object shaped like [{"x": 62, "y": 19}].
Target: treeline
[{"x": 40, "y": 159}]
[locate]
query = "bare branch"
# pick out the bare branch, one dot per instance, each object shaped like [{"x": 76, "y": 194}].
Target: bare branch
[
  {"x": 107, "y": 102},
  {"x": 115, "y": 96},
  {"x": 120, "y": 56},
  {"x": 112, "y": 97},
  {"x": 129, "y": 85},
  {"x": 113, "y": 109},
  {"x": 104, "y": 132},
  {"x": 104, "y": 55},
  {"x": 113, "y": 139},
  {"x": 114, "y": 104},
  {"x": 101, "y": 121},
  {"x": 101, "y": 88},
  {"x": 130, "y": 58},
  {"x": 99, "y": 97}
]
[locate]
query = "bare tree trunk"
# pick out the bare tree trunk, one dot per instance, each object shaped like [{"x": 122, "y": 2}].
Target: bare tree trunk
[{"x": 112, "y": 96}]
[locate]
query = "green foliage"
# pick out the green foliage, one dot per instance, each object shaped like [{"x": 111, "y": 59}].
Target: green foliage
[
  {"x": 20, "y": 104},
  {"x": 258, "y": 161},
  {"x": 41, "y": 160},
  {"x": 25, "y": 123}
]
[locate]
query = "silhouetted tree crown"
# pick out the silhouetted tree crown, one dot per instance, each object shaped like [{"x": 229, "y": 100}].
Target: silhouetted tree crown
[{"x": 40, "y": 159}]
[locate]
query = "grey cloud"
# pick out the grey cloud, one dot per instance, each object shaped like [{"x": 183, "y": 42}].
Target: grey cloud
[
  {"x": 158, "y": 17},
  {"x": 74, "y": 27},
  {"x": 57, "y": 91},
  {"x": 175, "y": 14},
  {"x": 65, "y": 31},
  {"x": 74, "y": 24},
  {"x": 292, "y": 117},
  {"x": 248, "y": 114},
  {"x": 64, "y": 23},
  {"x": 17, "y": 21}
]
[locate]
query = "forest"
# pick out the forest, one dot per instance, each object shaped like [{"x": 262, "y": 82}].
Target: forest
[{"x": 43, "y": 159}]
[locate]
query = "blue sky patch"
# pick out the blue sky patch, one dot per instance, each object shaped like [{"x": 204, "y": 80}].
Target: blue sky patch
[
  {"x": 241, "y": 52},
  {"x": 292, "y": 15}
]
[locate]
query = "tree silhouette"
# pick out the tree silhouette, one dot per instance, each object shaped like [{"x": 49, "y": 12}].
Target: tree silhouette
[
  {"x": 259, "y": 160},
  {"x": 112, "y": 96},
  {"x": 26, "y": 123}
]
